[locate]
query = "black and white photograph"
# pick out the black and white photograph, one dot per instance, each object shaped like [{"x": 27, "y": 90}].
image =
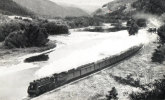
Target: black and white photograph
[{"x": 82, "y": 49}]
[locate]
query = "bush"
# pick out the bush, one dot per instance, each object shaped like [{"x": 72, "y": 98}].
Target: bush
[
  {"x": 141, "y": 22},
  {"x": 112, "y": 94},
  {"x": 159, "y": 54},
  {"x": 133, "y": 29},
  {"x": 34, "y": 32},
  {"x": 7, "y": 28},
  {"x": 16, "y": 40},
  {"x": 127, "y": 81},
  {"x": 158, "y": 93},
  {"x": 135, "y": 24},
  {"x": 53, "y": 29},
  {"x": 95, "y": 29},
  {"x": 36, "y": 36},
  {"x": 100, "y": 29},
  {"x": 38, "y": 58},
  {"x": 150, "y": 6},
  {"x": 12, "y": 26},
  {"x": 129, "y": 22},
  {"x": 78, "y": 22},
  {"x": 33, "y": 35},
  {"x": 161, "y": 33}
]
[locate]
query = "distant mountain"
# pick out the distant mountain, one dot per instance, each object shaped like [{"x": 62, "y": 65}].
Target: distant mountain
[
  {"x": 49, "y": 8},
  {"x": 10, "y": 7},
  {"x": 87, "y": 8},
  {"x": 117, "y": 6},
  {"x": 132, "y": 6}
]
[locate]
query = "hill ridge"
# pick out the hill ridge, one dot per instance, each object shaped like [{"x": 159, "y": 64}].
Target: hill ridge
[
  {"x": 49, "y": 8},
  {"x": 10, "y": 7}
]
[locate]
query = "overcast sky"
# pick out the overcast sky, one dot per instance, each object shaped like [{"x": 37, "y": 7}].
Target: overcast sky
[{"x": 88, "y": 5}]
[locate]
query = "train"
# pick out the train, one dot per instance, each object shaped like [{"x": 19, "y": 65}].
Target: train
[{"x": 43, "y": 85}]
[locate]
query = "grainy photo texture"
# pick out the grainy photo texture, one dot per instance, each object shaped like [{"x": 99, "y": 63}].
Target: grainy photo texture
[{"x": 82, "y": 49}]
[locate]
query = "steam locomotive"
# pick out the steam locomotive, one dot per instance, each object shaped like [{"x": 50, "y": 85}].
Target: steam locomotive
[{"x": 40, "y": 86}]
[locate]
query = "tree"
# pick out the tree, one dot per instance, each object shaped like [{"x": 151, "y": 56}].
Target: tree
[
  {"x": 112, "y": 94},
  {"x": 161, "y": 33},
  {"x": 159, "y": 55},
  {"x": 16, "y": 40},
  {"x": 7, "y": 28},
  {"x": 133, "y": 29},
  {"x": 141, "y": 22},
  {"x": 36, "y": 36},
  {"x": 53, "y": 28},
  {"x": 31, "y": 36}
]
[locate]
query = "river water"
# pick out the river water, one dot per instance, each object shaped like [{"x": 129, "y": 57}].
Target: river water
[{"x": 77, "y": 49}]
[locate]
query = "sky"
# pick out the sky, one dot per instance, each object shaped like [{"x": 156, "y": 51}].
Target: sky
[{"x": 87, "y": 5}]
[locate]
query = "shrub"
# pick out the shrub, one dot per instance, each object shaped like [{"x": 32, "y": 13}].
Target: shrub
[
  {"x": 53, "y": 29},
  {"x": 149, "y": 6},
  {"x": 7, "y": 28},
  {"x": 78, "y": 22},
  {"x": 129, "y": 22},
  {"x": 158, "y": 93},
  {"x": 12, "y": 26},
  {"x": 115, "y": 29},
  {"x": 36, "y": 32},
  {"x": 159, "y": 54},
  {"x": 135, "y": 24},
  {"x": 100, "y": 29},
  {"x": 95, "y": 29},
  {"x": 161, "y": 33},
  {"x": 38, "y": 58},
  {"x": 112, "y": 94},
  {"x": 133, "y": 29},
  {"x": 33, "y": 35},
  {"x": 36, "y": 36},
  {"x": 16, "y": 40},
  {"x": 141, "y": 22},
  {"x": 127, "y": 81},
  {"x": 27, "y": 20}
]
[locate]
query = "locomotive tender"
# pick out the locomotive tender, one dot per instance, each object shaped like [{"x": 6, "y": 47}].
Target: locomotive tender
[{"x": 40, "y": 86}]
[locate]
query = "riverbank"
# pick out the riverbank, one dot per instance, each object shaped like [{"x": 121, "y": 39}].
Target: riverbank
[{"x": 12, "y": 54}]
